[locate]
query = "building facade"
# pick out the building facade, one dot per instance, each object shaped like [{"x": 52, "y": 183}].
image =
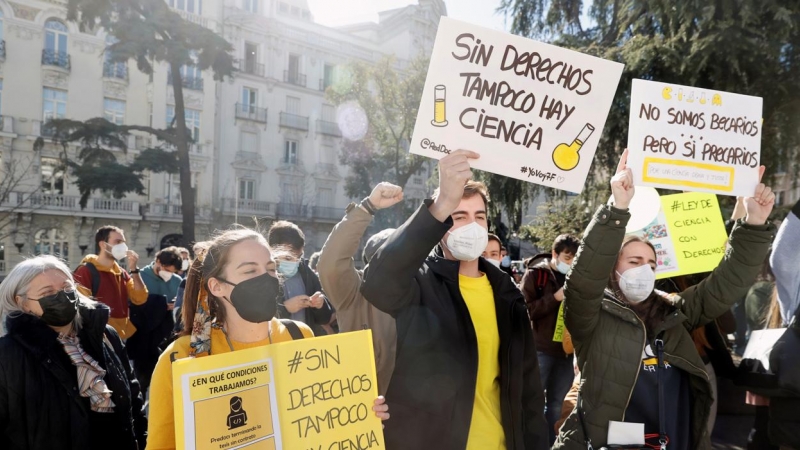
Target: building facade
[{"x": 267, "y": 141}]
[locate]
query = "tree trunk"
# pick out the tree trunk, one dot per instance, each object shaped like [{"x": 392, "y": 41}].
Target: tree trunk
[{"x": 182, "y": 144}]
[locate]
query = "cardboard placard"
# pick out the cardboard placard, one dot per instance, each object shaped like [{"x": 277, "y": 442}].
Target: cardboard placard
[
  {"x": 688, "y": 234},
  {"x": 534, "y": 111},
  {"x": 310, "y": 393},
  {"x": 692, "y": 139}
]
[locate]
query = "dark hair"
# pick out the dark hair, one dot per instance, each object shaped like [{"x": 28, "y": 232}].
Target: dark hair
[
  {"x": 493, "y": 237},
  {"x": 285, "y": 233},
  {"x": 210, "y": 263},
  {"x": 567, "y": 243},
  {"x": 471, "y": 189},
  {"x": 170, "y": 256},
  {"x": 102, "y": 233},
  {"x": 313, "y": 260}
]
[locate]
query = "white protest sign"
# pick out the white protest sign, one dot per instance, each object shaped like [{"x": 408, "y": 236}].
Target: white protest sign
[
  {"x": 533, "y": 111},
  {"x": 693, "y": 139}
]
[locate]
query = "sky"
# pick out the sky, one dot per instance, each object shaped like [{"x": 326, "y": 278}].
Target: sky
[{"x": 335, "y": 13}]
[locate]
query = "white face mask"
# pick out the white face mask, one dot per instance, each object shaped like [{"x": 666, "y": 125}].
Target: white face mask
[
  {"x": 637, "y": 283},
  {"x": 562, "y": 267},
  {"x": 166, "y": 276},
  {"x": 185, "y": 265},
  {"x": 494, "y": 262},
  {"x": 119, "y": 251},
  {"x": 468, "y": 242}
]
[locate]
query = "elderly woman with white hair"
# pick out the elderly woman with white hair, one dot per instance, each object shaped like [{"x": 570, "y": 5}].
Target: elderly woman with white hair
[{"x": 65, "y": 379}]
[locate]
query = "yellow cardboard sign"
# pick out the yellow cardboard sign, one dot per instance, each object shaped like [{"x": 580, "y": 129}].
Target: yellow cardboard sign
[
  {"x": 558, "y": 333},
  {"x": 688, "y": 234},
  {"x": 305, "y": 394}
]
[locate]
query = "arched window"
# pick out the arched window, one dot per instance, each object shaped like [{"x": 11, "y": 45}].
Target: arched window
[
  {"x": 51, "y": 242},
  {"x": 55, "y": 44},
  {"x": 112, "y": 69}
]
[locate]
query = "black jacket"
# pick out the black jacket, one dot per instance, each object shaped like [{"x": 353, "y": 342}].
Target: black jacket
[
  {"x": 315, "y": 318},
  {"x": 40, "y": 403},
  {"x": 433, "y": 386}
]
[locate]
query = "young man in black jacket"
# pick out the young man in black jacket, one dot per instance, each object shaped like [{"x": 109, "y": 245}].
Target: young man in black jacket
[{"x": 466, "y": 373}]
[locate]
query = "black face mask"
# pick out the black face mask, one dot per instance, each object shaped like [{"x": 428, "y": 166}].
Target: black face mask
[
  {"x": 59, "y": 309},
  {"x": 256, "y": 299}
]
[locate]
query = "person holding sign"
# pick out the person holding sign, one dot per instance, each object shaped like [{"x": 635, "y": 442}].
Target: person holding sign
[
  {"x": 235, "y": 292},
  {"x": 642, "y": 379},
  {"x": 466, "y": 374}
]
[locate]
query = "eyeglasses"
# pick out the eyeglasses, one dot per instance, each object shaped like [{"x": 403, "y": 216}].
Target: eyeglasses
[{"x": 67, "y": 290}]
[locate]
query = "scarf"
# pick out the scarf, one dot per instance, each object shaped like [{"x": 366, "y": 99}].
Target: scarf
[{"x": 90, "y": 375}]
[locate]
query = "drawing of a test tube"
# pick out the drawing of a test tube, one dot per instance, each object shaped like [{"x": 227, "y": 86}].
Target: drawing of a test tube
[{"x": 439, "y": 110}]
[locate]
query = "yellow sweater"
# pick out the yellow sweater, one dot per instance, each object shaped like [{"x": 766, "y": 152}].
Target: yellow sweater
[{"x": 161, "y": 428}]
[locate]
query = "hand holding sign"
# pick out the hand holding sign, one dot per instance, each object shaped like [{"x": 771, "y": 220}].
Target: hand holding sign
[
  {"x": 759, "y": 206},
  {"x": 622, "y": 183},
  {"x": 454, "y": 172}
]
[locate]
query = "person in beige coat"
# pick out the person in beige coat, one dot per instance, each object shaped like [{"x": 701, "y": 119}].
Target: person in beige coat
[{"x": 341, "y": 281}]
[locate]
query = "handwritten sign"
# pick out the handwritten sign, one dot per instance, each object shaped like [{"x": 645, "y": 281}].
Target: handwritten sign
[
  {"x": 693, "y": 139},
  {"x": 310, "y": 394},
  {"x": 688, "y": 234},
  {"x": 534, "y": 111}
]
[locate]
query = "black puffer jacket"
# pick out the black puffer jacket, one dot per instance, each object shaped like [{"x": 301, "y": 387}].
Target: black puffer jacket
[{"x": 40, "y": 403}]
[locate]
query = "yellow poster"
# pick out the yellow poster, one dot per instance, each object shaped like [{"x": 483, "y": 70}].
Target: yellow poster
[
  {"x": 306, "y": 394},
  {"x": 688, "y": 234}
]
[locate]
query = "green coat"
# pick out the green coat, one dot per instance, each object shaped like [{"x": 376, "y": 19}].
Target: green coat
[{"x": 609, "y": 337}]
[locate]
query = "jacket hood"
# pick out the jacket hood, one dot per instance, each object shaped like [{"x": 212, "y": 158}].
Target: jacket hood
[
  {"x": 94, "y": 259},
  {"x": 540, "y": 261}
]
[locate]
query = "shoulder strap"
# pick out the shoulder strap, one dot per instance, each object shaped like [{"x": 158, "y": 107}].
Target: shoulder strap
[
  {"x": 95, "y": 274},
  {"x": 294, "y": 330},
  {"x": 662, "y": 433}
]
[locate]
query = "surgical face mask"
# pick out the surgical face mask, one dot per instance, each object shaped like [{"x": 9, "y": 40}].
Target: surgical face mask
[
  {"x": 494, "y": 262},
  {"x": 506, "y": 261},
  {"x": 184, "y": 265},
  {"x": 166, "y": 276},
  {"x": 119, "y": 251},
  {"x": 637, "y": 283},
  {"x": 288, "y": 268},
  {"x": 468, "y": 242},
  {"x": 562, "y": 267},
  {"x": 59, "y": 309},
  {"x": 256, "y": 299}
]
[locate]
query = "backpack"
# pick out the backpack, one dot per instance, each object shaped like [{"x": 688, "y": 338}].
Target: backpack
[{"x": 95, "y": 275}]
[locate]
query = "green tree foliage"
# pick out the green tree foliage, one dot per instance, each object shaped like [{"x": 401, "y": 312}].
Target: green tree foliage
[
  {"x": 149, "y": 32},
  {"x": 750, "y": 47}
]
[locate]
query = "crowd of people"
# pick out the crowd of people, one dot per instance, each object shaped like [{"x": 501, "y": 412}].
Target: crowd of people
[{"x": 580, "y": 350}]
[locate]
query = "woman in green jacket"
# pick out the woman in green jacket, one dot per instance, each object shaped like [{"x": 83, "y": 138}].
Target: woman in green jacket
[{"x": 619, "y": 322}]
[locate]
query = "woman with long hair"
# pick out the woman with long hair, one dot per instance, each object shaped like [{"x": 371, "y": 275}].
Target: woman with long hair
[
  {"x": 231, "y": 298},
  {"x": 65, "y": 379},
  {"x": 639, "y": 366}
]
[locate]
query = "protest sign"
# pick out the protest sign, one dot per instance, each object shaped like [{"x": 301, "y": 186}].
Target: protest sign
[
  {"x": 688, "y": 234},
  {"x": 680, "y": 137},
  {"x": 310, "y": 393},
  {"x": 533, "y": 111}
]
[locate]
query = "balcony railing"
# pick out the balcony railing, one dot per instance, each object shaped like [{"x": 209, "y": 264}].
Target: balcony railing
[
  {"x": 115, "y": 70},
  {"x": 295, "y": 78},
  {"x": 292, "y": 210},
  {"x": 164, "y": 209},
  {"x": 253, "y": 68},
  {"x": 329, "y": 128},
  {"x": 250, "y": 112},
  {"x": 327, "y": 213},
  {"x": 56, "y": 58},
  {"x": 2, "y": 49},
  {"x": 112, "y": 204},
  {"x": 70, "y": 203},
  {"x": 294, "y": 121},
  {"x": 248, "y": 206},
  {"x": 194, "y": 83}
]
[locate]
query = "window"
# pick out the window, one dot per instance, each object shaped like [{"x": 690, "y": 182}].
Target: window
[
  {"x": 51, "y": 242},
  {"x": 251, "y": 6},
  {"x": 295, "y": 11},
  {"x": 416, "y": 180},
  {"x": 56, "y": 36},
  {"x": 192, "y": 117},
  {"x": 326, "y": 154},
  {"x": 284, "y": 8},
  {"x": 248, "y": 142},
  {"x": 249, "y": 98},
  {"x": 328, "y": 113},
  {"x": 1, "y": 96},
  {"x": 112, "y": 69},
  {"x": 52, "y": 171},
  {"x": 306, "y": 14},
  {"x": 327, "y": 77},
  {"x": 324, "y": 197},
  {"x": 1, "y": 37},
  {"x": 247, "y": 189},
  {"x": 250, "y": 57},
  {"x": 292, "y": 105},
  {"x": 191, "y": 6},
  {"x": 294, "y": 66},
  {"x": 150, "y": 112},
  {"x": 172, "y": 188},
  {"x": 114, "y": 111},
  {"x": 290, "y": 152},
  {"x": 54, "y": 105}
]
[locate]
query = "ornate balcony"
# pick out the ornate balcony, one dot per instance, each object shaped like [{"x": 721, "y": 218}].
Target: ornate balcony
[
  {"x": 291, "y": 77},
  {"x": 294, "y": 121},
  {"x": 250, "y": 112},
  {"x": 253, "y": 68},
  {"x": 328, "y": 128},
  {"x": 115, "y": 70},
  {"x": 56, "y": 58}
]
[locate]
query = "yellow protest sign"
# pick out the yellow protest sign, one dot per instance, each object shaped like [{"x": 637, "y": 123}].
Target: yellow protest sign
[
  {"x": 688, "y": 234},
  {"x": 310, "y": 394},
  {"x": 558, "y": 333}
]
